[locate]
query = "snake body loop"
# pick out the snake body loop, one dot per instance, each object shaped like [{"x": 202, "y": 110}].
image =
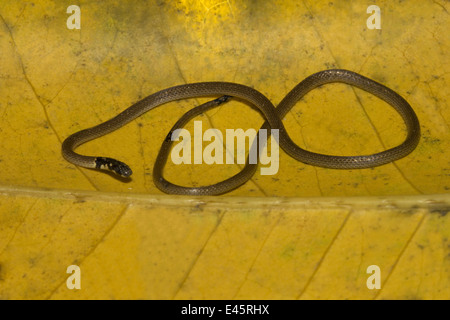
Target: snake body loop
[{"x": 273, "y": 118}]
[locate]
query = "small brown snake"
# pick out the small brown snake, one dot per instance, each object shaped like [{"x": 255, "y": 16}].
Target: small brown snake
[{"x": 273, "y": 118}]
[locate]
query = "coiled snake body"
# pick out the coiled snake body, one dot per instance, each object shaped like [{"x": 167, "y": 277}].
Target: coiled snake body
[{"x": 273, "y": 118}]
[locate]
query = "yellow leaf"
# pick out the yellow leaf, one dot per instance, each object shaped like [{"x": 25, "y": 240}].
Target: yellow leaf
[{"x": 304, "y": 233}]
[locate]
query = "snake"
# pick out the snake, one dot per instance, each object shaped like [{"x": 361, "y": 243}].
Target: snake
[{"x": 273, "y": 120}]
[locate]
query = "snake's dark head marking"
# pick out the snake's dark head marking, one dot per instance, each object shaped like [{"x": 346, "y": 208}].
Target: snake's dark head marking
[{"x": 113, "y": 165}]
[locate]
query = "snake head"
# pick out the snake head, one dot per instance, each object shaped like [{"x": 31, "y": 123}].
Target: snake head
[{"x": 113, "y": 165}]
